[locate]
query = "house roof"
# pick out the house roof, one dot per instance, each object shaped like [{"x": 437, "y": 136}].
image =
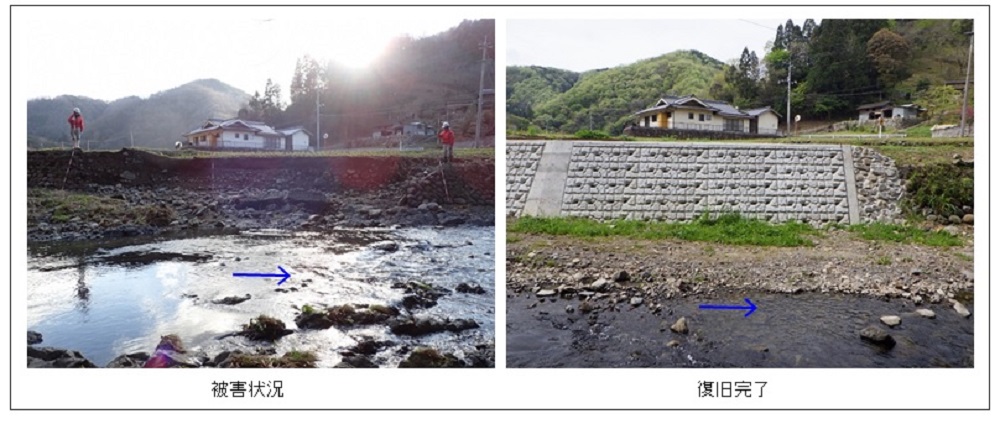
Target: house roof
[
  {"x": 292, "y": 130},
  {"x": 213, "y": 124},
  {"x": 760, "y": 111},
  {"x": 719, "y": 106},
  {"x": 875, "y": 105}
]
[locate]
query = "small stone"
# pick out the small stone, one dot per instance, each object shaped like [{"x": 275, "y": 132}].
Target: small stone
[
  {"x": 968, "y": 219},
  {"x": 636, "y": 301},
  {"x": 916, "y": 271},
  {"x": 680, "y": 327},
  {"x": 961, "y": 309},
  {"x": 926, "y": 313},
  {"x": 891, "y": 320},
  {"x": 621, "y": 277},
  {"x": 570, "y": 309},
  {"x": 600, "y": 285},
  {"x": 34, "y": 338},
  {"x": 673, "y": 343},
  {"x": 878, "y": 336},
  {"x": 545, "y": 293},
  {"x": 954, "y": 219},
  {"x": 918, "y": 300}
]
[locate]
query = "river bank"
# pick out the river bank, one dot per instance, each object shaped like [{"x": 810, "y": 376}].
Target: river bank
[
  {"x": 581, "y": 299},
  {"x": 132, "y": 193}
]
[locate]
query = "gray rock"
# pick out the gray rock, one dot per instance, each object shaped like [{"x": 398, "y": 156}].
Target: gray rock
[
  {"x": 926, "y": 313},
  {"x": 50, "y": 357},
  {"x": 131, "y": 360},
  {"x": 968, "y": 219},
  {"x": 915, "y": 271},
  {"x": 386, "y": 246},
  {"x": 918, "y": 300},
  {"x": 878, "y": 336},
  {"x": 636, "y": 301},
  {"x": 545, "y": 293},
  {"x": 954, "y": 219},
  {"x": 128, "y": 175},
  {"x": 961, "y": 309},
  {"x": 891, "y": 320},
  {"x": 680, "y": 327},
  {"x": 232, "y": 300},
  {"x": 621, "y": 276},
  {"x": 34, "y": 338},
  {"x": 673, "y": 343},
  {"x": 429, "y": 206},
  {"x": 601, "y": 285},
  {"x": 570, "y": 309}
]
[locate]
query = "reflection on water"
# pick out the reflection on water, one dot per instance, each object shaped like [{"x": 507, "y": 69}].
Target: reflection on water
[{"x": 110, "y": 300}]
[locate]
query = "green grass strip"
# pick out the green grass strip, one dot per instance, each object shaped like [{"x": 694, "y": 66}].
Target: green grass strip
[
  {"x": 904, "y": 234},
  {"x": 726, "y": 229}
]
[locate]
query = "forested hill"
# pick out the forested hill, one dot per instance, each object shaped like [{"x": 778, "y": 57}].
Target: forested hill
[
  {"x": 560, "y": 100},
  {"x": 836, "y": 65},
  {"x": 157, "y": 121}
]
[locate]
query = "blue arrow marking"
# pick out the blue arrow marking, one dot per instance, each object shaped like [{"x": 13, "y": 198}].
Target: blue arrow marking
[
  {"x": 284, "y": 274},
  {"x": 751, "y": 307}
]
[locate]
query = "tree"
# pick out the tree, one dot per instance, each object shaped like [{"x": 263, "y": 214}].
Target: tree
[
  {"x": 306, "y": 79},
  {"x": 779, "y": 39},
  {"x": 889, "y": 52},
  {"x": 266, "y": 108}
]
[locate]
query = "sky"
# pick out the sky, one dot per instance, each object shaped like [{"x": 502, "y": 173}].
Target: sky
[
  {"x": 110, "y": 53},
  {"x": 583, "y": 45}
]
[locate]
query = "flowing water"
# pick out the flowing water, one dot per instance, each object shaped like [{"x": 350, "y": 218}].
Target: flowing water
[
  {"x": 804, "y": 330},
  {"x": 106, "y": 300}
]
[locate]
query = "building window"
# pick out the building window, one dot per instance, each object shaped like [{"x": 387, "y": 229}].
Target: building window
[
  {"x": 668, "y": 115},
  {"x": 701, "y": 117},
  {"x": 733, "y": 125},
  {"x": 246, "y": 136},
  {"x": 709, "y": 117},
  {"x": 654, "y": 118},
  {"x": 691, "y": 116}
]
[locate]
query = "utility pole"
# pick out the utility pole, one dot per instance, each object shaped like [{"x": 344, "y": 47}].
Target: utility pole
[
  {"x": 965, "y": 91},
  {"x": 788, "y": 108},
  {"x": 482, "y": 72},
  {"x": 319, "y": 137}
]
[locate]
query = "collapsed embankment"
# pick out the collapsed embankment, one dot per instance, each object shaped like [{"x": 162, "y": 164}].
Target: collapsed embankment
[{"x": 155, "y": 193}]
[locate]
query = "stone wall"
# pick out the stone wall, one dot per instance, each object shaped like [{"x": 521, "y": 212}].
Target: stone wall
[
  {"x": 879, "y": 185},
  {"x": 522, "y": 163},
  {"x": 816, "y": 184}
]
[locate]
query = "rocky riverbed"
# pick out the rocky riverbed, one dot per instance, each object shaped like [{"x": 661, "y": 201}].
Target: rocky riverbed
[
  {"x": 578, "y": 300},
  {"x": 133, "y": 193}
]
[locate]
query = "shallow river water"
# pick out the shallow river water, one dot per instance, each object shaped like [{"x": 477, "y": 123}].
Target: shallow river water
[
  {"x": 804, "y": 330},
  {"x": 105, "y": 300}
]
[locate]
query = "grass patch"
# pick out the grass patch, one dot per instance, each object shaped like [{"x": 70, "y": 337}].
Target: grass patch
[
  {"x": 904, "y": 234},
  {"x": 434, "y": 152},
  {"x": 925, "y": 154},
  {"x": 62, "y": 206},
  {"x": 726, "y": 229},
  {"x": 883, "y": 260},
  {"x": 942, "y": 188},
  {"x": 964, "y": 257}
]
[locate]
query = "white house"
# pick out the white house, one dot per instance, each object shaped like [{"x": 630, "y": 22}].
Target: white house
[
  {"x": 418, "y": 128},
  {"x": 296, "y": 138},
  {"x": 244, "y": 134},
  {"x": 888, "y": 110},
  {"x": 692, "y": 113}
]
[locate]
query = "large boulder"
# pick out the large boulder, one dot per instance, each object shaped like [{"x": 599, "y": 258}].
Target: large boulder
[{"x": 50, "y": 357}]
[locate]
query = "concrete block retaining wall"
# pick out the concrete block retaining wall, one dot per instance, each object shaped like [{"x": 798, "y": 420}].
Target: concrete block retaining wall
[{"x": 817, "y": 184}]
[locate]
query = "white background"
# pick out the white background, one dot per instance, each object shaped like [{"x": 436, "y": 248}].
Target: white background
[{"x": 519, "y": 388}]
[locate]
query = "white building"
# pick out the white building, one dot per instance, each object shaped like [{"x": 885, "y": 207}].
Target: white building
[{"x": 243, "y": 134}]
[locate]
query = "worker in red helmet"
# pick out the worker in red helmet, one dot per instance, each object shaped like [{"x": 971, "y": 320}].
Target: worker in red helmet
[
  {"x": 447, "y": 138},
  {"x": 75, "y": 127}
]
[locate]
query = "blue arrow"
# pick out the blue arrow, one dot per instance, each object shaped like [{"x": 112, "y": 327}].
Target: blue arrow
[
  {"x": 284, "y": 274},
  {"x": 751, "y": 307}
]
